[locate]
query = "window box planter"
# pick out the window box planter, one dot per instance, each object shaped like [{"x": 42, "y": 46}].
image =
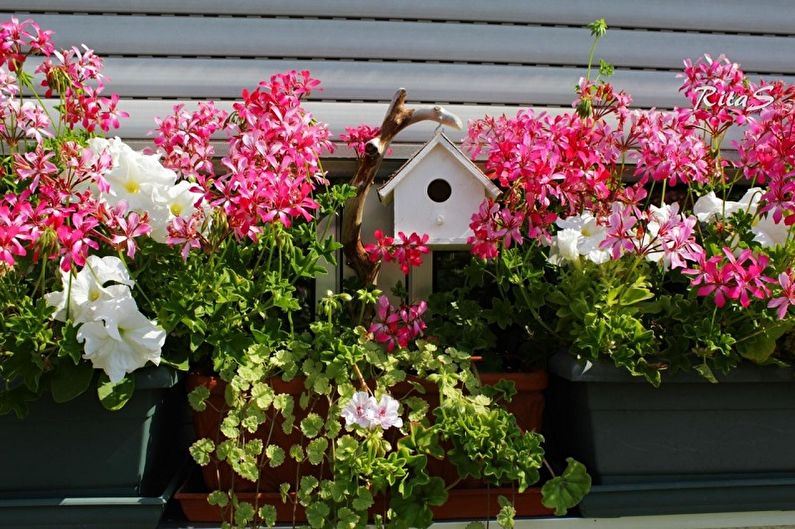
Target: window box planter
[
  {"x": 80, "y": 450},
  {"x": 728, "y": 443}
]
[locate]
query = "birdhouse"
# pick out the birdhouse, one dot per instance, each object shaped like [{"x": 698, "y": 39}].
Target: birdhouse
[{"x": 436, "y": 192}]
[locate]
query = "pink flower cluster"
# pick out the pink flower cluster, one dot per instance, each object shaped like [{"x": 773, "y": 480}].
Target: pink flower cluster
[
  {"x": 18, "y": 40},
  {"x": 668, "y": 147},
  {"x": 357, "y": 137},
  {"x": 547, "y": 164},
  {"x": 49, "y": 211},
  {"x": 732, "y": 278},
  {"x": 184, "y": 137},
  {"x": 397, "y": 326},
  {"x": 76, "y": 75},
  {"x": 365, "y": 411},
  {"x": 273, "y": 163},
  {"x": 491, "y": 227},
  {"x": 767, "y": 153},
  {"x": 407, "y": 253},
  {"x": 718, "y": 91},
  {"x": 659, "y": 234},
  {"x": 787, "y": 297}
]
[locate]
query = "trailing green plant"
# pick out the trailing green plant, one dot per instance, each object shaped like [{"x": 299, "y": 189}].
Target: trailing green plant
[{"x": 375, "y": 465}]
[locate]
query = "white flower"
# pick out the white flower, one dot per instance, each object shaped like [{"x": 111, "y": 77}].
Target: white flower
[
  {"x": 580, "y": 235},
  {"x": 87, "y": 290},
  {"x": 112, "y": 146},
  {"x": 135, "y": 177},
  {"x": 125, "y": 341},
  {"x": 359, "y": 410},
  {"x": 175, "y": 201},
  {"x": 363, "y": 410},
  {"x": 386, "y": 414},
  {"x": 709, "y": 207},
  {"x": 750, "y": 200},
  {"x": 766, "y": 231}
]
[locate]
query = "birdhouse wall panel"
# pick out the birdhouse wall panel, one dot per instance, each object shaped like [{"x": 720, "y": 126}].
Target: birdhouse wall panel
[{"x": 446, "y": 222}]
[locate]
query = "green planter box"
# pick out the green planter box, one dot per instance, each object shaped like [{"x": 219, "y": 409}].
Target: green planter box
[
  {"x": 725, "y": 446},
  {"x": 79, "y": 449}
]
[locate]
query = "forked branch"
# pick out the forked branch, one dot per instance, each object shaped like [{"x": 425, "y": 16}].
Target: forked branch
[{"x": 397, "y": 118}]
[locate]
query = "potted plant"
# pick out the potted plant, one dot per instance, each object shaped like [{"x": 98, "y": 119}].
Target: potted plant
[
  {"x": 275, "y": 380},
  {"x": 78, "y": 340},
  {"x": 678, "y": 279}
]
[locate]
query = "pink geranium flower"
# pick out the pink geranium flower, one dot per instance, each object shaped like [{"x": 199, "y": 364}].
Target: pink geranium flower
[{"x": 786, "y": 300}]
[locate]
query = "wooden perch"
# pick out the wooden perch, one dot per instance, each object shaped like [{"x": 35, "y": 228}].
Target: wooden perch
[{"x": 397, "y": 118}]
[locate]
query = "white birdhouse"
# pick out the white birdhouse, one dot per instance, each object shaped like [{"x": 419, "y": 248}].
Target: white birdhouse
[{"x": 436, "y": 192}]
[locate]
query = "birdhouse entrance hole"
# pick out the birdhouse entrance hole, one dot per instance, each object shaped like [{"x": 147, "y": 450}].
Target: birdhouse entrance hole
[{"x": 439, "y": 190}]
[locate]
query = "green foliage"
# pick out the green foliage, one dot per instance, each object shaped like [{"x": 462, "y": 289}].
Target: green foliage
[
  {"x": 343, "y": 468},
  {"x": 567, "y": 490},
  {"x": 115, "y": 396}
]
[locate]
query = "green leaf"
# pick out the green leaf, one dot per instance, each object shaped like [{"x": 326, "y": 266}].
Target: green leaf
[
  {"x": 244, "y": 513},
  {"x": 197, "y": 398},
  {"x": 316, "y": 514},
  {"x": 567, "y": 490},
  {"x": 70, "y": 380},
  {"x": 705, "y": 371},
  {"x": 363, "y": 499},
  {"x": 297, "y": 452},
  {"x": 219, "y": 498},
  {"x": 275, "y": 455},
  {"x": 507, "y": 513},
  {"x": 635, "y": 294},
  {"x": 311, "y": 425},
  {"x": 114, "y": 396},
  {"x": 267, "y": 514},
  {"x": 201, "y": 450},
  {"x": 347, "y": 519},
  {"x": 316, "y": 450},
  {"x": 760, "y": 347}
]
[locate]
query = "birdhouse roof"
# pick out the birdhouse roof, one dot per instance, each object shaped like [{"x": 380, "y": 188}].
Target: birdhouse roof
[{"x": 385, "y": 193}]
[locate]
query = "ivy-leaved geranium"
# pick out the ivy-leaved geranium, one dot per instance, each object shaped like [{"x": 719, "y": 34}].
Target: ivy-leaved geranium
[
  {"x": 625, "y": 234},
  {"x": 250, "y": 239}
]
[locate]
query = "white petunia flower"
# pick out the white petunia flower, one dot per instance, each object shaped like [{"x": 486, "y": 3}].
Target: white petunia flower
[
  {"x": 169, "y": 203},
  {"x": 135, "y": 177},
  {"x": 580, "y": 235},
  {"x": 123, "y": 341},
  {"x": 88, "y": 289},
  {"x": 766, "y": 231},
  {"x": 709, "y": 207}
]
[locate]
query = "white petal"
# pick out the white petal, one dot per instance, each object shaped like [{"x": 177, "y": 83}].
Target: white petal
[
  {"x": 768, "y": 233},
  {"x": 708, "y": 207},
  {"x": 110, "y": 268},
  {"x": 565, "y": 245}
]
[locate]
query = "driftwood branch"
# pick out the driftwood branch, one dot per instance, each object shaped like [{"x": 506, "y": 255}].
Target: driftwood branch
[{"x": 397, "y": 118}]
